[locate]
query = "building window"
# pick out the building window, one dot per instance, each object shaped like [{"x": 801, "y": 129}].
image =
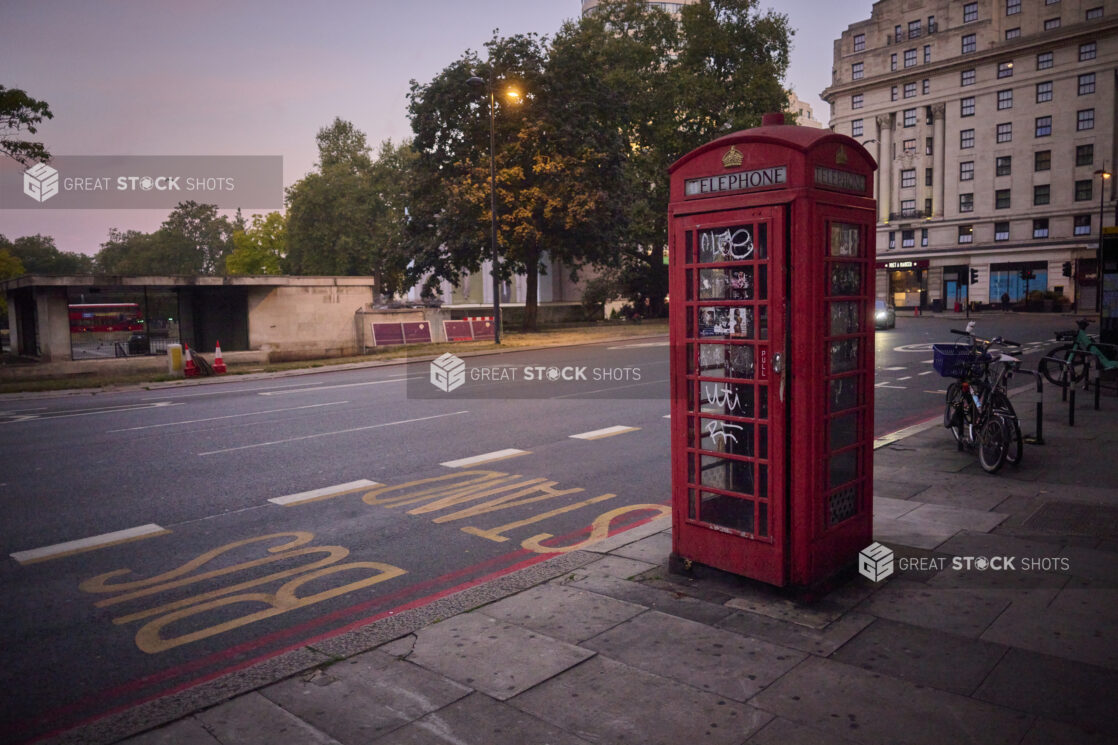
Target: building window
[
  {"x": 966, "y": 139},
  {"x": 966, "y": 202},
  {"x": 1051, "y": 23},
  {"x": 1001, "y": 199},
  {"x": 909, "y": 90},
  {"x": 910, "y": 117},
  {"x": 1004, "y": 165},
  {"x": 966, "y": 77},
  {"x": 927, "y": 212},
  {"x": 859, "y": 42},
  {"x": 927, "y": 86},
  {"x": 1042, "y": 194},
  {"x": 928, "y": 176},
  {"x": 929, "y": 145},
  {"x": 856, "y": 101},
  {"x": 1092, "y": 14},
  {"x": 1012, "y": 33},
  {"x": 893, "y": 93},
  {"x": 1084, "y": 155},
  {"x": 970, "y": 43},
  {"x": 1044, "y": 91},
  {"x": 927, "y": 53},
  {"x": 970, "y": 12},
  {"x": 1001, "y": 231},
  {"x": 1085, "y": 119},
  {"x": 1012, "y": 7},
  {"x": 924, "y": 234},
  {"x": 914, "y": 29},
  {"x": 908, "y": 178},
  {"x": 910, "y": 58},
  {"x": 1005, "y": 99},
  {"x": 898, "y": 34},
  {"x": 966, "y": 170},
  {"x": 909, "y": 146},
  {"x": 1005, "y": 132},
  {"x": 908, "y": 239},
  {"x": 1042, "y": 160},
  {"x": 857, "y": 70},
  {"x": 1087, "y": 51},
  {"x": 893, "y": 61},
  {"x": 1044, "y": 61},
  {"x": 1086, "y": 84},
  {"x": 1084, "y": 190},
  {"x": 966, "y": 233},
  {"x": 908, "y": 207},
  {"x": 856, "y": 128},
  {"x": 892, "y": 239},
  {"x": 1082, "y": 225},
  {"x": 1051, "y": 2},
  {"x": 1043, "y": 126},
  {"x": 1005, "y": 69},
  {"x": 966, "y": 106},
  {"x": 1040, "y": 228}
]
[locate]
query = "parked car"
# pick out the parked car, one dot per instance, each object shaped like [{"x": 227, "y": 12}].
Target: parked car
[{"x": 884, "y": 315}]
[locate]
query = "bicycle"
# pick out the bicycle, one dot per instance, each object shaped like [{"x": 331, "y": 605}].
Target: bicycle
[
  {"x": 1068, "y": 364},
  {"x": 977, "y": 409}
]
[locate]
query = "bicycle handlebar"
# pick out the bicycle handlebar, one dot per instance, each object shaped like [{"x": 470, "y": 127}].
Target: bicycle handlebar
[{"x": 960, "y": 333}]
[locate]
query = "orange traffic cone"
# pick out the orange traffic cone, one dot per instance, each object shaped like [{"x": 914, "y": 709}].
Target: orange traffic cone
[
  {"x": 219, "y": 364},
  {"x": 190, "y": 370}
]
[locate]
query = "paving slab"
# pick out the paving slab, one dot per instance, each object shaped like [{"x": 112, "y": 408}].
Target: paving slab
[
  {"x": 605, "y": 701},
  {"x": 872, "y": 708},
  {"x": 252, "y": 719},
  {"x": 655, "y": 549},
  {"x": 188, "y": 731},
  {"x": 892, "y": 508},
  {"x": 494, "y": 657},
  {"x": 893, "y": 489},
  {"x": 822, "y": 642},
  {"x": 673, "y": 603},
  {"x": 479, "y": 720},
  {"x": 364, "y": 697},
  {"x": 611, "y": 544},
  {"x": 1071, "y": 692},
  {"x": 893, "y": 531},
  {"x": 1048, "y": 732},
  {"x": 1079, "y": 624},
  {"x": 707, "y": 658},
  {"x": 562, "y": 612},
  {"x": 955, "y": 610},
  {"x": 937, "y": 659},
  {"x": 617, "y": 567},
  {"x": 782, "y": 731},
  {"x": 985, "y": 499},
  {"x": 959, "y": 518}
]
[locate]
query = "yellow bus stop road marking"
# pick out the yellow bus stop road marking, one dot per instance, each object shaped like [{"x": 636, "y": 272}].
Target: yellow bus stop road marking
[
  {"x": 607, "y": 432},
  {"x": 325, "y": 492},
  {"x": 484, "y": 458},
  {"x": 92, "y": 543}
]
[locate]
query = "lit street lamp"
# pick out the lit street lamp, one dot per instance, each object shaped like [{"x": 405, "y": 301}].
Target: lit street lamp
[
  {"x": 477, "y": 82},
  {"x": 1103, "y": 175}
]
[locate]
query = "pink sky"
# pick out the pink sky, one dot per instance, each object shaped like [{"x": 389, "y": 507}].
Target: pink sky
[{"x": 260, "y": 78}]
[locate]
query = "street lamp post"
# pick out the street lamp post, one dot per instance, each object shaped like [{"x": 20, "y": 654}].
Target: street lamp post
[
  {"x": 1103, "y": 175},
  {"x": 477, "y": 82}
]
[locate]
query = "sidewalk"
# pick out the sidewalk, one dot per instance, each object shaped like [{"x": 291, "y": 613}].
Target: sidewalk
[{"x": 605, "y": 646}]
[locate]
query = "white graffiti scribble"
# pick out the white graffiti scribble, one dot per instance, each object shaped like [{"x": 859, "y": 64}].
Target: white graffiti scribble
[
  {"x": 717, "y": 430},
  {"x": 734, "y": 246},
  {"x": 726, "y": 397}
]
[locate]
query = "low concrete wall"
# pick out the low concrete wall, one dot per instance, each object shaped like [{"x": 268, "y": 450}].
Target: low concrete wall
[
  {"x": 118, "y": 366},
  {"x": 298, "y": 323}
]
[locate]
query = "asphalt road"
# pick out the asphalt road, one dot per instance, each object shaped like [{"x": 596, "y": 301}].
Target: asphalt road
[{"x": 271, "y": 513}]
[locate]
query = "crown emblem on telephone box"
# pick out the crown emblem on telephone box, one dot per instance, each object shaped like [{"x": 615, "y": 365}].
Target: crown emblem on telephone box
[{"x": 733, "y": 158}]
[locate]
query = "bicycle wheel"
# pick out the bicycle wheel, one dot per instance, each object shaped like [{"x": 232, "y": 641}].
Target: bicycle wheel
[
  {"x": 1054, "y": 372},
  {"x": 1016, "y": 444},
  {"x": 993, "y": 443},
  {"x": 953, "y": 412}
]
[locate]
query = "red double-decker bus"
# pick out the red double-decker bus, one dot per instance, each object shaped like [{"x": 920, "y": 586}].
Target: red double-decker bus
[{"x": 99, "y": 317}]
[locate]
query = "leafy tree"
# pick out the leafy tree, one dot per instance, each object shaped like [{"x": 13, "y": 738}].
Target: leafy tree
[
  {"x": 193, "y": 239},
  {"x": 38, "y": 255},
  {"x": 260, "y": 248},
  {"x": 18, "y": 113},
  {"x": 347, "y": 217}
]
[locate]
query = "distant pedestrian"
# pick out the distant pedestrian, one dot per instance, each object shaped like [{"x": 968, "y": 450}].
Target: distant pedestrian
[{"x": 1005, "y": 301}]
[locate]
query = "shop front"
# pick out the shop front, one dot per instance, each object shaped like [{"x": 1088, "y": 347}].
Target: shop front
[{"x": 906, "y": 282}]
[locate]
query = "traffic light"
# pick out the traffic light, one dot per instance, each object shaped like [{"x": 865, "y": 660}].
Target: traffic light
[
  {"x": 1067, "y": 268},
  {"x": 973, "y": 276},
  {"x": 1027, "y": 274}
]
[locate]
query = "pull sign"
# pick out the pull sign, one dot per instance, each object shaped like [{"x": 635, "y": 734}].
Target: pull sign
[{"x": 764, "y": 366}]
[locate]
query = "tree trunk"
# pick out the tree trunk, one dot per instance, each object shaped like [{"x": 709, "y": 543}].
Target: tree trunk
[{"x": 531, "y": 304}]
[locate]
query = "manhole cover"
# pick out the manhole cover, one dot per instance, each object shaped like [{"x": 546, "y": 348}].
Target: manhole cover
[{"x": 1075, "y": 518}]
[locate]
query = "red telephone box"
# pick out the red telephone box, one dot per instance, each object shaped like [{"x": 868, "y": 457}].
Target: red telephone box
[{"x": 771, "y": 245}]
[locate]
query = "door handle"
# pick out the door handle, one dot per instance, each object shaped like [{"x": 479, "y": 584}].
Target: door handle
[{"x": 779, "y": 368}]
